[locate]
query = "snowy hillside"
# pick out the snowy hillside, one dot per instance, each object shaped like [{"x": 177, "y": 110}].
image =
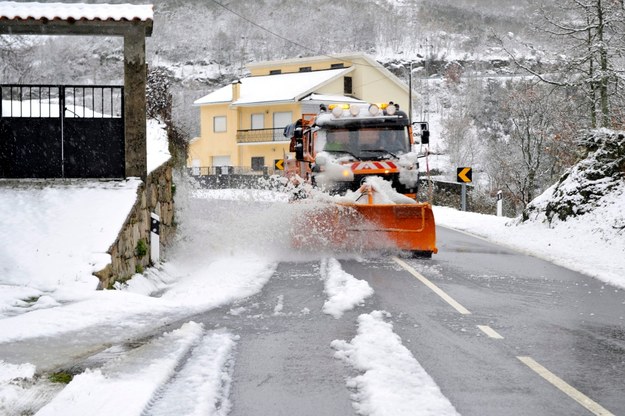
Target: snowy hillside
[
  {"x": 595, "y": 185},
  {"x": 591, "y": 195}
]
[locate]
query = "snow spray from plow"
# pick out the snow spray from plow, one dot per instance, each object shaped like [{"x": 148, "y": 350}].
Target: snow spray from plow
[{"x": 348, "y": 226}]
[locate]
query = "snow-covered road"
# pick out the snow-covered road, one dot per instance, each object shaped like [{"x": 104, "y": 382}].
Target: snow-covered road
[{"x": 128, "y": 360}]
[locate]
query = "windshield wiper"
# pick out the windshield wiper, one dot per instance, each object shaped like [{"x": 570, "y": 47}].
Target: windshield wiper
[
  {"x": 342, "y": 151},
  {"x": 378, "y": 151}
]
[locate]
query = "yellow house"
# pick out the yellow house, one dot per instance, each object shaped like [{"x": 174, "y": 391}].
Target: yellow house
[{"x": 241, "y": 125}]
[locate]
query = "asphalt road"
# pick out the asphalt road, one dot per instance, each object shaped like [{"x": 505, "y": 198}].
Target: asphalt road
[{"x": 500, "y": 332}]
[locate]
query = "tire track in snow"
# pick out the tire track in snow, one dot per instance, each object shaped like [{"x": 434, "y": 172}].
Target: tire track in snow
[
  {"x": 201, "y": 386},
  {"x": 151, "y": 377}
]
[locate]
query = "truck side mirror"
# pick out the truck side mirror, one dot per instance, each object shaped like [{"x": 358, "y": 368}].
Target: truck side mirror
[
  {"x": 425, "y": 131},
  {"x": 299, "y": 149}
]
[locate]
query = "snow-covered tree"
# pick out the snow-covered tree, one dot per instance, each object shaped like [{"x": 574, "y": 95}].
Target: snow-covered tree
[
  {"x": 588, "y": 38},
  {"x": 526, "y": 130}
]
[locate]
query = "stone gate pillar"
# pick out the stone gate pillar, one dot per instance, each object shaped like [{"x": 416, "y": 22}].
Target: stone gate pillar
[{"x": 135, "y": 74}]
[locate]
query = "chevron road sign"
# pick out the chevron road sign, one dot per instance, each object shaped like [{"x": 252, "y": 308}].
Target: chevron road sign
[{"x": 464, "y": 175}]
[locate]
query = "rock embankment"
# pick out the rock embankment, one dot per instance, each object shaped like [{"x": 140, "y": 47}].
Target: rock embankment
[{"x": 130, "y": 253}]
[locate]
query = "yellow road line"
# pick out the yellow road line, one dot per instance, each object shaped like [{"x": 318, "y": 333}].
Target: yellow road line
[
  {"x": 457, "y": 306},
  {"x": 490, "y": 331},
  {"x": 566, "y": 388}
]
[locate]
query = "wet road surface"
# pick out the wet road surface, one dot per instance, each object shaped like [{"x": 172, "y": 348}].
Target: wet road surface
[
  {"x": 515, "y": 335},
  {"x": 567, "y": 323}
]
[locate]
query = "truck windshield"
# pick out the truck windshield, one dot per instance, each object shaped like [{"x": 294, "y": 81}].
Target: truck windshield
[{"x": 365, "y": 142}]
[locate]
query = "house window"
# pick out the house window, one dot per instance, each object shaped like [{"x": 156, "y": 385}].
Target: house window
[
  {"x": 222, "y": 165},
  {"x": 275, "y": 72},
  {"x": 337, "y": 66},
  {"x": 196, "y": 167},
  {"x": 258, "y": 121},
  {"x": 258, "y": 163},
  {"x": 347, "y": 85},
  {"x": 305, "y": 69},
  {"x": 219, "y": 124},
  {"x": 280, "y": 120}
]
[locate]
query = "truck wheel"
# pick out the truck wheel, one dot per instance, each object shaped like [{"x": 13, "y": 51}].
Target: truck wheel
[{"x": 418, "y": 254}]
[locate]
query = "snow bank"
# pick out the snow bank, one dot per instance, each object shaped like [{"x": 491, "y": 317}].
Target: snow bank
[
  {"x": 11, "y": 371},
  {"x": 192, "y": 361},
  {"x": 344, "y": 290},
  {"x": 157, "y": 145},
  {"x": 583, "y": 244},
  {"x": 58, "y": 233}
]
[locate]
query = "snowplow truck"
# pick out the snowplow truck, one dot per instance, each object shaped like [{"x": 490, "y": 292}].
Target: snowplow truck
[{"x": 366, "y": 153}]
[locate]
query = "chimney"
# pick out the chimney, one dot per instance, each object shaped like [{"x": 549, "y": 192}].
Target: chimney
[{"x": 236, "y": 90}]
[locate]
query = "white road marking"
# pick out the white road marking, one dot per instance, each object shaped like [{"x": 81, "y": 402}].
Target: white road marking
[
  {"x": 566, "y": 388},
  {"x": 489, "y": 331},
  {"x": 457, "y": 306}
]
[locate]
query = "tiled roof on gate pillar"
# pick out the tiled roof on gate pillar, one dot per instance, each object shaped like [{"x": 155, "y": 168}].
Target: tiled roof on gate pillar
[{"x": 11, "y": 10}]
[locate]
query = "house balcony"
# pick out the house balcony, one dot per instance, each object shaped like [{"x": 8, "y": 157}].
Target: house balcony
[{"x": 261, "y": 135}]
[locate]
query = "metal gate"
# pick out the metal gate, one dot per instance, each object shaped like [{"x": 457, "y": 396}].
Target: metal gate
[{"x": 52, "y": 131}]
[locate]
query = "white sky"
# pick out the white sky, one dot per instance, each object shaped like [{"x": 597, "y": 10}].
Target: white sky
[{"x": 46, "y": 289}]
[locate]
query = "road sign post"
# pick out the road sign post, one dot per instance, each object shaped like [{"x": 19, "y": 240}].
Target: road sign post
[
  {"x": 463, "y": 198},
  {"x": 464, "y": 175},
  {"x": 499, "y": 203}
]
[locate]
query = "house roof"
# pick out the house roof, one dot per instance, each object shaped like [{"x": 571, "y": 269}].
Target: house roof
[
  {"x": 323, "y": 98},
  {"x": 11, "y": 10},
  {"x": 281, "y": 88},
  {"x": 347, "y": 58}
]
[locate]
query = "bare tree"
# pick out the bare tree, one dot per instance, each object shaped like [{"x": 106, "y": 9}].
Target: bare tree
[
  {"x": 532, "y": 146},
  {"x": 12, "y": 67}
]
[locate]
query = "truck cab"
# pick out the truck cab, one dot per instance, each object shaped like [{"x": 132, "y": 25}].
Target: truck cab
[{"x": 342, "y": 146}]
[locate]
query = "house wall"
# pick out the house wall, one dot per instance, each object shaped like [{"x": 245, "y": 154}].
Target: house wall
[
  {"x": 211, "y": 144},
  {"x": 270, "y": 151},
  {"x": 371, "y": 85},
  {"x": 333, "y": 88}
]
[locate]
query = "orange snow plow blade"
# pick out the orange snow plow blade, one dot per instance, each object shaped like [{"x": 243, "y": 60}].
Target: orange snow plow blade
[
  {"x": 350, "y": 226},
  {"x": 406, "y": 227}
]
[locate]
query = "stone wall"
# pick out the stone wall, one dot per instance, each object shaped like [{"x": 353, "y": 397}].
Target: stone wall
[{"x": 130, "y": 253}]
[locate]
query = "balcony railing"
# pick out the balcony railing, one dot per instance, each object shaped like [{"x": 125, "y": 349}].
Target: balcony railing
[
  {"x": 261, "y": 135},
  {"x": 232, "y": 170}
]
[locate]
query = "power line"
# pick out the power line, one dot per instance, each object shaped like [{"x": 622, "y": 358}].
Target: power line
[{"x": 261, "y": 27}]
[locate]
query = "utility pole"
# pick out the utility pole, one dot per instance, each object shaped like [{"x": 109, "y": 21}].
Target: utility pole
[
  {"x": 410, "y": 94},
  {"x": 426, "y": 91}
]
